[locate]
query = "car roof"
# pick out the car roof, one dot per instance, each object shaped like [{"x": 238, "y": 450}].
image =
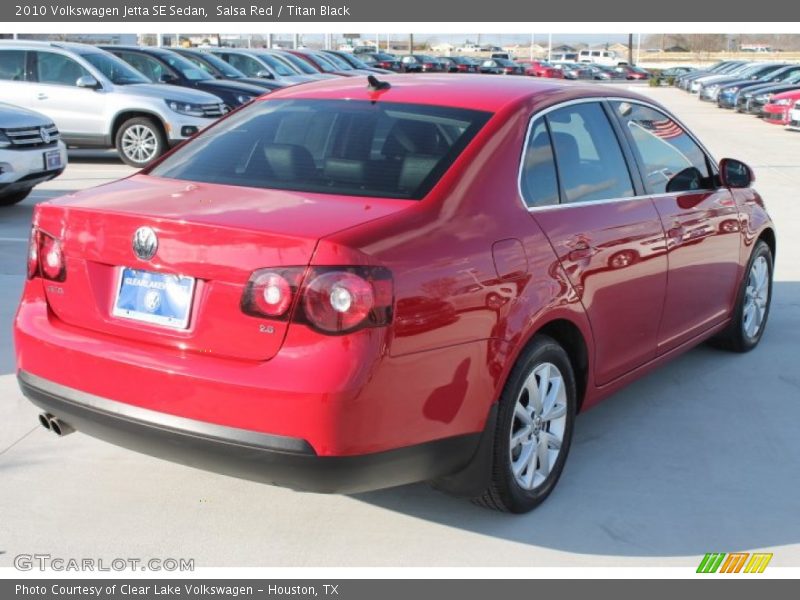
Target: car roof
[
  {"x": 37, "y": 44},
  {"x": 143, "y": 49},
  {"x": 465, "y": 91}
]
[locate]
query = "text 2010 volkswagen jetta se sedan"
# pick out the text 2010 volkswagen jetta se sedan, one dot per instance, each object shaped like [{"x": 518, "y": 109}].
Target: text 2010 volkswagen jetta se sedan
[{"x": 346, "y": 286}]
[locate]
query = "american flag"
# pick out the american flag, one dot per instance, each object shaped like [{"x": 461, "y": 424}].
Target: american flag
[{"x": 663, "y": 128}]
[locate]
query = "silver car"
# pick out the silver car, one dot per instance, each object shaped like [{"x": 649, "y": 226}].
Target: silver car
[
  {"x": 99, "y": 101},
  {"x": 30, "y": 152}
]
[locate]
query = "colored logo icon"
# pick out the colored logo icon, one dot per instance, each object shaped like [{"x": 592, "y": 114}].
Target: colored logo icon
[{"x": 735, "y": 562}]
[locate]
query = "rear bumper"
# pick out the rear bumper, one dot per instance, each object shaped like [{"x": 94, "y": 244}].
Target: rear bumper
[{"x": 277, "y": 460}]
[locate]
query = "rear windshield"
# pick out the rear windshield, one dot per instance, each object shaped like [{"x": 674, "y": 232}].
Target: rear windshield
[{"x": 348, "y": 147}]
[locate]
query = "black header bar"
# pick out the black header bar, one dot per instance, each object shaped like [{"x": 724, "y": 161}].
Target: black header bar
[{"x": 391, "y": 11}]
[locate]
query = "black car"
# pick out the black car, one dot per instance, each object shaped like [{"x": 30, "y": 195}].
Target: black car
[
  {"x": 420, "y": 63},
  {"x": 381, "y": 60},
  {"x": 603, "y": 73},
  {"x": 219, "y": 69},
  {"x": 501, "y": 66},
  {"x": 465, "y": 64},
  {"x": 356, "y": 62},
  {"x": 166, "y": 66}
]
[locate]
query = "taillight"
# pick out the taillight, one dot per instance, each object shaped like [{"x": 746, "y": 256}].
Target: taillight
[
  {"x": 270, "y": 292},
  {"x": 332, "y": 300},
  {"x": 51, "y": 258},
  {"x": 45, "y": 257},
  {"x": 33, "y": 254}
]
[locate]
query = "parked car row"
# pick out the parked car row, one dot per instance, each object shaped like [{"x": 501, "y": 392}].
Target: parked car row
[{"x": 769, "y": 90}]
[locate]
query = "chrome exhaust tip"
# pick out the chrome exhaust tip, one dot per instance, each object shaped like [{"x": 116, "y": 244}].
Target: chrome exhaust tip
[
  {"x": 60, "y": 428},
  {"x": 44, "y": 421}
]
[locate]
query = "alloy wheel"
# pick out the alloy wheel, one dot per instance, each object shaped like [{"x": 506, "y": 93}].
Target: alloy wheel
[
  {"x": 756, "y": 297},
  {"x": 538, "y": 426},
  {"x": 140, "y": 143}
]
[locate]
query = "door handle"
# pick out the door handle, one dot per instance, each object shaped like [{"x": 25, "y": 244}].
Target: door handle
[{"x": 41, "y": 96}]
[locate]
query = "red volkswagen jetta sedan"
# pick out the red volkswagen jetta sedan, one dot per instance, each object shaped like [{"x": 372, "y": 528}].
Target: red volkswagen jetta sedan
[{"x": 345, "y": 286}]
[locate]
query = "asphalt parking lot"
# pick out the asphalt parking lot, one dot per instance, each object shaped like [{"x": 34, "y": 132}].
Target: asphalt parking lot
[{"x": 701, "y": 456}]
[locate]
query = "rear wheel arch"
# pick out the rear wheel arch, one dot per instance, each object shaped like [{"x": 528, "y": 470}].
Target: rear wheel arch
[{"x": 569, "y": 336}]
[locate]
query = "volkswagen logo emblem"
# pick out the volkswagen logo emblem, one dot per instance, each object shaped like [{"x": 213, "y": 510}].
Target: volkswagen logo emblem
[
  {"x": 45, "y": 135},
  {"x": 152, "y": 300},
  {"x": 145, "y": 243}
]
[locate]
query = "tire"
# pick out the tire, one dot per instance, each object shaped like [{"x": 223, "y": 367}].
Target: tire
[
  {"x": 752, "y": 304},
  {"x": 139, "y": 141},
  {"x": 521, "y": 492},
  {"x": 15, "y": 198}
]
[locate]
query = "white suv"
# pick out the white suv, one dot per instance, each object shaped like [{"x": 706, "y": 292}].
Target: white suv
[
  {"x": 99, "y": 101},
  {"x": 30, "y": 152}
]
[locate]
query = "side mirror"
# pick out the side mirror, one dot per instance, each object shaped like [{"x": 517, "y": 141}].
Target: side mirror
[
  {"x": 87, "y": 81},
  {"x": 687, "y": 180},
  {"x": 735, "y": 174},
  {"x": 265, "y": 75},
  {"x": 167, "y": 78}
]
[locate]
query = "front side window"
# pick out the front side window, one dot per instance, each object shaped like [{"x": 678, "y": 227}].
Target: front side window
[
  {"x": 58, "y": 69},
  {"x": 246, "y": 64},
  {"x": 671, "y": 160},
  {"x": 149, "y": 67},
  {"x": 591, "y": 166},
  {"x": 358, "y": 148},
  {"x": 279, "y": 67},
  {"x": 186, "y": 68},
  {"x": 114, "y": 69}
]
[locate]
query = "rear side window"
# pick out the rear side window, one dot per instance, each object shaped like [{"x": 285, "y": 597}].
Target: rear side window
[
  {"x": 591, "y": 166},
  {"x": 344, "y": 147},
  {"x": 539, "y": 180},
  {"x": 671, "y": 160},
  {"x": 12, "y": 65}
]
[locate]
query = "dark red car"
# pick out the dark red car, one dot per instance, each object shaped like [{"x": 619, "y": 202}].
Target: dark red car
[
  {"x": 540, "y": 68},
  {"x": 343, "y": 286},
  {"x": 632, "y": 73}
]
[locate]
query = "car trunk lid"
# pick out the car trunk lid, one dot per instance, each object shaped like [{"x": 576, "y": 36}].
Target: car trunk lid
[{"x": 216, "y": 234}]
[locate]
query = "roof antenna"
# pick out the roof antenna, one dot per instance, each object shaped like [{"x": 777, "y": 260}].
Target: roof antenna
[{"x": 376, "y": 85}]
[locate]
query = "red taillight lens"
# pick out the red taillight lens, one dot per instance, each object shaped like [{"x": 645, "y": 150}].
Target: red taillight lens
[
  {"x": 270, "y": 292},
  {"x": 339, "y": 301},
  {"x": 51, "y": 258},
  {"x": 33, "y": 254}
]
